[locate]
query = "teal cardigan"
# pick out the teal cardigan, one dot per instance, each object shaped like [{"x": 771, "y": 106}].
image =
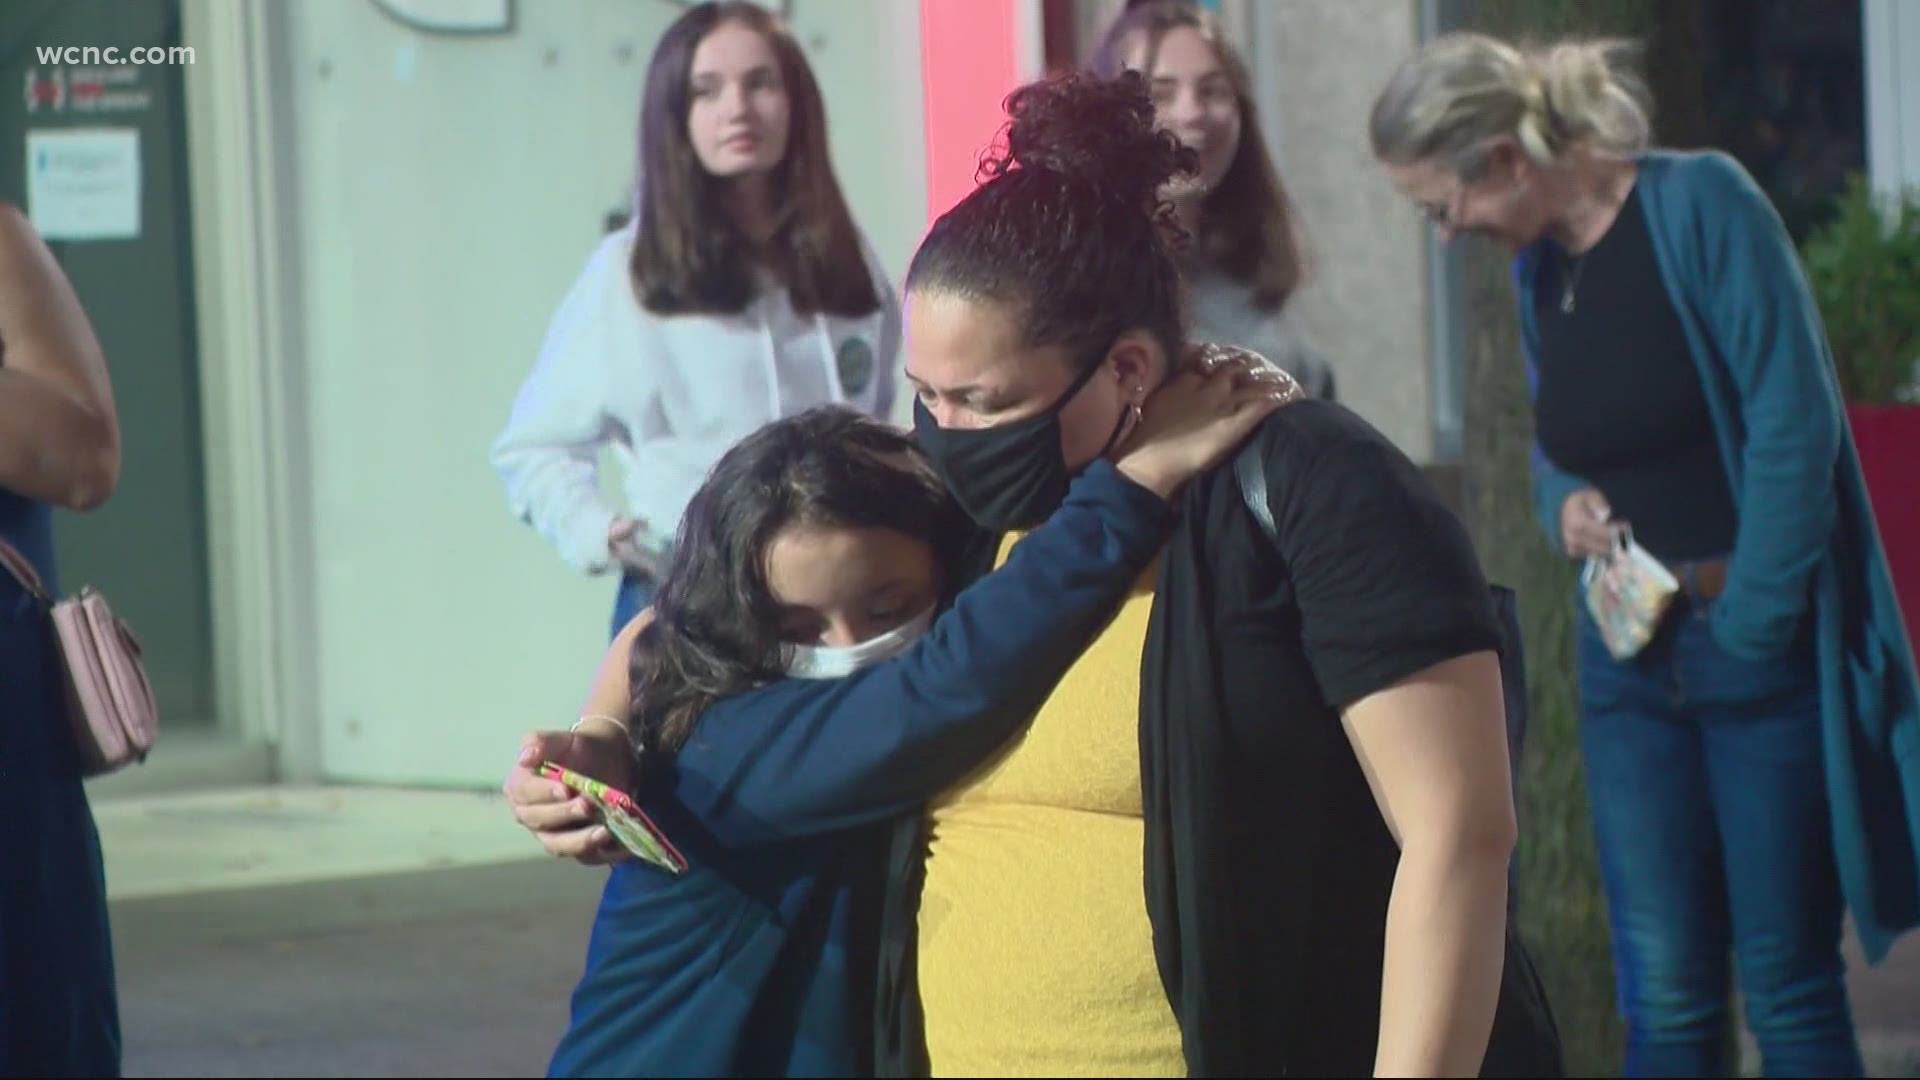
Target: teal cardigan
[{"x": 1806, "y": 534}]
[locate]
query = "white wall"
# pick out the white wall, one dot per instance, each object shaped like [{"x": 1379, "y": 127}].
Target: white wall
[
  {"x": 1317, "y": 65},
  {"x": 448, "y": 191},
  {"x": 1892, "y": 39}
]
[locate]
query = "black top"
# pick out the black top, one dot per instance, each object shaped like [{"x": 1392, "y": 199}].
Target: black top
[
  {"x": 1268, "y": 865},
  {"x": 1620, "y": 402}
]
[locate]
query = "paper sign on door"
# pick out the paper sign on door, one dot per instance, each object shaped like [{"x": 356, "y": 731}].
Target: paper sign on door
[{"x": 84, "y": 183}]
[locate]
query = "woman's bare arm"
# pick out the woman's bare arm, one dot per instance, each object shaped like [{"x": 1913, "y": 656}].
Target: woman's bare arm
[
  {"x": 59, "y": 431},
  {"x": 610, "y": 695},
  {"x": 1434, "y": 748}
]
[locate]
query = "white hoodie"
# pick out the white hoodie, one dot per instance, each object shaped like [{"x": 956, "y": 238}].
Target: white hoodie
[{"x": 670, "y": 394}]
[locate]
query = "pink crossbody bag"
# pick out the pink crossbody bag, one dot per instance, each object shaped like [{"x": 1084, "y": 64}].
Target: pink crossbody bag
[{"x": 109, "y": 703}]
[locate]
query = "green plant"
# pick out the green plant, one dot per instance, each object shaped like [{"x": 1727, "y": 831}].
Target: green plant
[{"x": 1864, "y": 266}]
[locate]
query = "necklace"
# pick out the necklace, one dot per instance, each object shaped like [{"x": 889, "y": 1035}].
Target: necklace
[{"x": 1570, "y": 267}]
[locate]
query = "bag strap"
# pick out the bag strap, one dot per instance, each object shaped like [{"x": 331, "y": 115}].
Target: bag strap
[
  {"x": 1250, "y": 469},
  {"x": 22, "y": 570}
]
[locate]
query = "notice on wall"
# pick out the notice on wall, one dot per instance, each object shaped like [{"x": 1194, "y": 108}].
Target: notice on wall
[{"x": 84, "y": 183}]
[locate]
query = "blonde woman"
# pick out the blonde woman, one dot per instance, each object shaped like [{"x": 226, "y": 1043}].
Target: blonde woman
[{"x": 1745, "y": 768}]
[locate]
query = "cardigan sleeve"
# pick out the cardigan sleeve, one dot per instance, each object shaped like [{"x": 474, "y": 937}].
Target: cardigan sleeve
[
  {"x": 1764, "y": 322},
  {"x": 802, "y": 757}
]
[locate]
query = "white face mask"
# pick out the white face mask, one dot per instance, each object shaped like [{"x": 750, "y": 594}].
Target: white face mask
[{"x": 829, "y": 662}]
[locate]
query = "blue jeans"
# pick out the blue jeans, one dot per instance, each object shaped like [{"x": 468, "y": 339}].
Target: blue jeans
[
  {"x": 1710, "y": 811},
  {"x": 634, "y": 596}
]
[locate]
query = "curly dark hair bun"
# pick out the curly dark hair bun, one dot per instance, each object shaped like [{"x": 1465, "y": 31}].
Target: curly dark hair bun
[
  {"x": 1068, "y": 230},
  {"x": 1095, "y": 131}
]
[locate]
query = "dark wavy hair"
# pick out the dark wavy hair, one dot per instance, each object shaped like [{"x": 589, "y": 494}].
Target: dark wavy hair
[
  {"x": 1068, "y": 229},
  {"x": 716, "y": 628},
  {"x": 688, "y": 256},
  {"x": 1247, "y": 227}
]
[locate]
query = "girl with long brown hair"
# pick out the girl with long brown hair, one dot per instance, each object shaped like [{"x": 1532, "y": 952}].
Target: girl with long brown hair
[{"x": 741, "y": 292}]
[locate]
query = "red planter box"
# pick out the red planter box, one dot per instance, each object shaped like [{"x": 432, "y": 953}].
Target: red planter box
[{"x": 1888, "y": 437}]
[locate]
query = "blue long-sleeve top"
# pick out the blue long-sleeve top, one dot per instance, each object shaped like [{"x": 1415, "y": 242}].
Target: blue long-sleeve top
[{"x": 759, "y": 959}]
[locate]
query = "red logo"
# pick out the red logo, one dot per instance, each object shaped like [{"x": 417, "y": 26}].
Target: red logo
[
  {"x": 87, "y": 92},
  {"x": 50, "y": 90}
]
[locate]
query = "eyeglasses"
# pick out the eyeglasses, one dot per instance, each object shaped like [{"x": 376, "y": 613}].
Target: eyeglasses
[{"x": 1440, "y": 214}]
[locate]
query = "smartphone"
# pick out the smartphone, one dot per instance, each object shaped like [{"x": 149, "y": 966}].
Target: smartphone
[{"x": 623, "y": 818}]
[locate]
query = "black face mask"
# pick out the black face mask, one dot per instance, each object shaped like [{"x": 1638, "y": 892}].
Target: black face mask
[{"x": 1011, "y": 476}]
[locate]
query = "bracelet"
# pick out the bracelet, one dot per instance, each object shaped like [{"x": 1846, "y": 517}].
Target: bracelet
[{"x": 614, "y": 720}]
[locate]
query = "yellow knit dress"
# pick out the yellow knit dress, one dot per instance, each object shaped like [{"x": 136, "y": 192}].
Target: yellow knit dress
[{"x": 1036, "y": 956}]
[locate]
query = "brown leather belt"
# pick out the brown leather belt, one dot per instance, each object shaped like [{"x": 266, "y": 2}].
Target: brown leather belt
[{"x": 1703, "y": 581}]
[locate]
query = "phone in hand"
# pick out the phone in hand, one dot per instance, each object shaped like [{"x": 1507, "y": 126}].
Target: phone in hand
[{"x": 623, "y": 818}]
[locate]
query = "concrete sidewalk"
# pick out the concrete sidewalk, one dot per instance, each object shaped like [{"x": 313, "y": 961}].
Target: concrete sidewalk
[
  {"x": 460, "y": 972},
  {"x": 345, "y": 932},
  {"x": 1886, "y": 1009}
]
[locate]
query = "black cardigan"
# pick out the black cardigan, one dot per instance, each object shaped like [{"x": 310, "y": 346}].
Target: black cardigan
[{"x": 1266, "y": 976}]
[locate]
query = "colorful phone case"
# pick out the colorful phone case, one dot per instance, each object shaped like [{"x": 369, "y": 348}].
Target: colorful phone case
[{"x": 623, "y": 817}]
